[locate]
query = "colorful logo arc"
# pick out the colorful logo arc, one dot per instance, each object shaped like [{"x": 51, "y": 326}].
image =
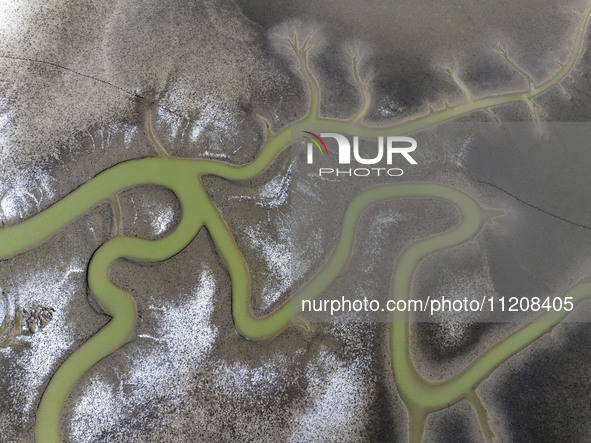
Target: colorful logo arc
[{"x": 318, "y": 139}]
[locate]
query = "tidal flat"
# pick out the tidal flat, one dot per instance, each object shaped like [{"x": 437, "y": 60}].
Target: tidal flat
[{"x": 218, "y": 80}]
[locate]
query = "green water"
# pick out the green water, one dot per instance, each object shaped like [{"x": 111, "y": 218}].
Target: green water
[{"x": 183, "y": 177}]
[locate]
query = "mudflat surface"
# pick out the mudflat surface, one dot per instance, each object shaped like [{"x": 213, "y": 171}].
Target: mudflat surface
[{"x": 218, "y": 81}]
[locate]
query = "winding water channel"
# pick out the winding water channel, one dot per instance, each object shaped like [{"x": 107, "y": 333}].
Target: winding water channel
[{"x": 183, "y": 177}]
